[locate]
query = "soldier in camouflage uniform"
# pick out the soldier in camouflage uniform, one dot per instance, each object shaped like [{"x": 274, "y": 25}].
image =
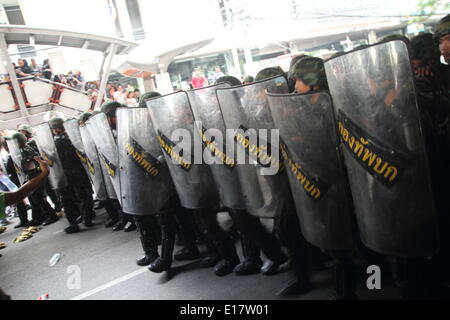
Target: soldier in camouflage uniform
[{"x": 79, "y": 189}]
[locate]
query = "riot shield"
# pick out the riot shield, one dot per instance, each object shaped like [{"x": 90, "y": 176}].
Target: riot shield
[
  {"x": 16, "y": 156},
  {"x": 102, "y": 135},
  {"x": 245, "y": 111},
  {"x": 209, "y": 121},
  {"x": 145, "y": 179},
  {"x": 380, "y": 130},
  {"x": 314, "y": 166},
  {"x": 47, "y": 149},
  {"x": 103, "y": 187},
  {"x": 171, "y": 115},
  {"x": 73, "y": 131}
]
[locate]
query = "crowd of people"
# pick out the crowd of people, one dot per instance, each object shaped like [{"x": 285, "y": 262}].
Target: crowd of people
[{"x": 416, "y": 276}]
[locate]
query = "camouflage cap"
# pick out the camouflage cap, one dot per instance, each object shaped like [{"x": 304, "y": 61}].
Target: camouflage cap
[
  {"x": 146, "y": 96},
  {"x": 84, "y": 117},
  {"x": 311, "y": 71},
  {"x": 19, "y": 137},
  {"x": 443, "y": 28},
  {"x": 269, "y": 73},
  {"x": 229, "y": 79},
  {"x": 249, "y": 79},
  {"x": 56, "y": 123},
  {"x": 110, "y": 108},
  {"x": 24, "y": 127}
]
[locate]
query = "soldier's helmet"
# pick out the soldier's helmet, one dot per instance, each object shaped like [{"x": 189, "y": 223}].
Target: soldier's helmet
[
  {"x": 147, "y": 96},
  {"x": 233, "y": 81},
  {"x": 25, "y": 127},
  {"x": 110, "y": 108},
  {"x": 311, "y": 71},
  {"x": 56, "y": 123},
  {"x": 249, "y": 79},
  {"x": 442, "y": 29},
  {"x": 269, "y": 73},
  {"x": 85, "y": 116}
]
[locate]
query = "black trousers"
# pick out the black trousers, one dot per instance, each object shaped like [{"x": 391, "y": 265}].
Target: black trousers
[
  {"x": 70, "y": 203},
  {"x": 85, "y": 201},
  {"x": 150, "y": 232},
  {"x": 53, "y": 195},
  {"x": 41, "y": 209},
  {"x": 290, "y": 235},
  {"x": 22, "y": 211},
  {"x": 256, "y": 237},
  {"x": 216, "y": 238}
]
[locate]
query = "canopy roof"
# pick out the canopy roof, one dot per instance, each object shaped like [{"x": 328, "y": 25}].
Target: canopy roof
[{"x": 15, "y": 34}]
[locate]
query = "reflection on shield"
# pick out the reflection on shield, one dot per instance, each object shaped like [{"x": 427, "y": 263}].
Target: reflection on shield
[
  {"x": 193, "y": 182},
  {"x": 73, "y": 131},
  {"x": 379, "y": 127},
  {"x": 16, "y": 155},
  {"x": 47, "y": 149},
  {"x": 102, "y": 135},
  {"x": 145, "y": 181},
  {"x": 318, "y": 182},
  {"x": 243, "y": 108},
  {"x": 98, "y": 180},
  {"x": 206, "y": 110}
]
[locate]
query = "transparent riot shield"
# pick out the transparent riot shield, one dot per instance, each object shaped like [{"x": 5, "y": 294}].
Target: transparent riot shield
[
  {"x": 47, "y": 149},
  {"x": 102, "y": 135},
  {"x": 73, "y": 131},
  {"x": 249, "y": 127},
  {"x": 310, "y": 150},
  {"x": 174, "y": 126},
  {"x": 211, "y": 128},
  {"x": 380, "y": 130},
  {"x": 145, "y": 179},
  {"x": 102, "y": 186},
  {"x": 16, "y": 156}
]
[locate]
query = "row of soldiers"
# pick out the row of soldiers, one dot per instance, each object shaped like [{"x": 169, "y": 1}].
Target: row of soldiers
[{"x": 361, "y": 171}]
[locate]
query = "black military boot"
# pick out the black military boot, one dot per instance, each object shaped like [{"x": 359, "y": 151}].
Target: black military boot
[
  {"x": 187, "y": 253},
  {"x": 72, "y": 229},
  {"x": 130, "y": 226},
  {"x": 149, "y": 231},
  {"x": 230, "y": 259},
  {"x": 345, "y": 283},
  {"x": 151, "y": 253},
  {"x": 252, "y": 263},
  {"x": 23, "y": 216},
  {"x": 113, "y": 216},
  {"x": 168, "y": 229},
  {"x": 212, "y": 257},
  {"x": 120, "y": 225},
  {"x": 164, "y": 262},
  {"x": 299, "y": 282}
]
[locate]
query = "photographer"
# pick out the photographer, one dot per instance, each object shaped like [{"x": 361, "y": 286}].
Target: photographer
[{"x": 42, "y": 212}]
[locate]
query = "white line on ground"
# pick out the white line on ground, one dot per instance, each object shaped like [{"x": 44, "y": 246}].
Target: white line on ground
[{"x": 110, "y": 284}]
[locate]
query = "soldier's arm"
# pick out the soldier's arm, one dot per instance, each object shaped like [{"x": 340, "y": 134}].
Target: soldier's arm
[{"x": 17, "y": 196}]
